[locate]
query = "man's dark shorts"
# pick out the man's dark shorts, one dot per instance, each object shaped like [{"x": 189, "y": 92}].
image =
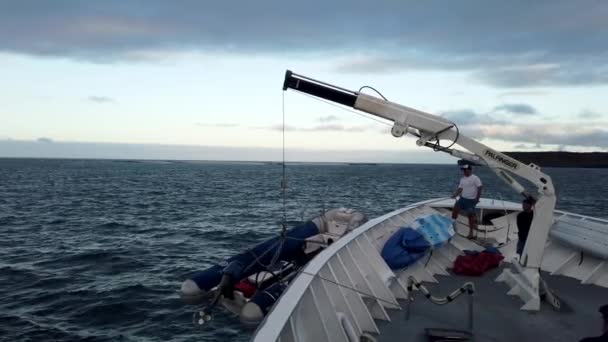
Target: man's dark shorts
[{"x": 467, "y": 205}]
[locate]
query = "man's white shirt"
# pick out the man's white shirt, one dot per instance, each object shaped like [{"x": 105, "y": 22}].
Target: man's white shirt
[{"x": 469, "y": 186}]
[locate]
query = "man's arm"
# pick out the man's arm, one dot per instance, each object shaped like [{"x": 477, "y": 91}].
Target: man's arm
[
  {"x": 479, "y": 188},
  {"x": 457, "y": 193},
  {"x": 458, "y": 190}
]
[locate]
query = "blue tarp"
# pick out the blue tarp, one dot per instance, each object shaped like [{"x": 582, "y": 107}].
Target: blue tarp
[
  {"x": 404, "y": 248},
  {"x": 411, "y": 243},
  {"x": 437, "y": 229}
]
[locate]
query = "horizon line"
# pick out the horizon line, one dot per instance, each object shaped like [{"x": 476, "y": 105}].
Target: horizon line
[{"x": 221, "y": 161}]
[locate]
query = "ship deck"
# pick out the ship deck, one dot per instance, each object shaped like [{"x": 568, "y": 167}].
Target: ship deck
[
  {"x": 497, "y": 316},
  {"x": 365, "y": 295}
]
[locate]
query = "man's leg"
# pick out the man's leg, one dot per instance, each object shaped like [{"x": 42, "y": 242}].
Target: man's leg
[
  {"x": 455, "y": 211},
  {"x": 472, "y": 224},
  {"x": 520, "y": 246}
]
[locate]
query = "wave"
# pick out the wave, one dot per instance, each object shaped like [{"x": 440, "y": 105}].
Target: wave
[
  {"x": 23, "y": 327},
  {"x": 114, "y": 224},
  {"x": 15, "y": 274},
  {"x": 7, "y": 219}
]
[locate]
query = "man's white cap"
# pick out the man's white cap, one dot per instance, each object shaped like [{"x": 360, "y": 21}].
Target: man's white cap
[{"x": 465, "y": 166}]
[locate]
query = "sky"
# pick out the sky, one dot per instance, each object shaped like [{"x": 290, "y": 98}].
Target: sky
[{"x": 203, "y": 80}]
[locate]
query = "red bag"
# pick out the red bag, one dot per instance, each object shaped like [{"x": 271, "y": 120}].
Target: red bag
[
  {"x": 246, "y": 287},
  {"x": 476, "y": 264}
]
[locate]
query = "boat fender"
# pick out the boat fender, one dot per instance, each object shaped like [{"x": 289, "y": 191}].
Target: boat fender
[
  {"x": 202, "y": 282},
  {"x": 191, "y": 293},
  {"x": 189, "y": 288},
  {"x": 261, "y": 302},
  {"x": 339, "y": 221},
  {"x": 251, "y": 313}
]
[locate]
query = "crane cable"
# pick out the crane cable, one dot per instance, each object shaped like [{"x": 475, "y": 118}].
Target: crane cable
[
  {"x": 284, "y": 176},
  {"x": 205, "y": 314}
]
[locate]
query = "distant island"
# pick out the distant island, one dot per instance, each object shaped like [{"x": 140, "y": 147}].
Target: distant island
[{"x": 563, "y": 159}]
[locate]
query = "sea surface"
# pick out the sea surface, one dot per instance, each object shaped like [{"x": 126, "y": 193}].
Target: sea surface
[{"x": 95, "y": 250}]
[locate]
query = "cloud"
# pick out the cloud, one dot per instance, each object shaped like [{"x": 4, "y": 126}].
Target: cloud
[
  {"x": 100, "y": 99},
  {"x": 528, "y": 147},
  {"x": 218, "y": 125},
  {"x": 516, "y": 108},
  {"x": 318, "y": 128},
  {"x": 381, "y": 64},
  {"x": 374, "y": 65},
  {"x": 522, "y": 93},
  {"x": 512, "y": 44},
  {"x": 471, "y": 122},
  {"x": 566, "y": 73},
  {"x": 587, "y": 114},
  {"x": 329, "y": 118},
  {"x": 522, "y": 147},
  {"x": 469, "y": 117},
  {"x": 506, "y": 71},
  {"x": 485, "y": 126},
  {"x": 566, "y": 134},
  {"x": 44, "y": 140}
]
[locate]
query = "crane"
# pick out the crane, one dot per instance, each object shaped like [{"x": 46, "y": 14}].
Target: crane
[{"x": 430, "y": 130}]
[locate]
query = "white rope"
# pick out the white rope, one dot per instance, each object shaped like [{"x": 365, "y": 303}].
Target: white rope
[
  {"x": 425, "y": 291},
  {"x": 346, "y": 287}
]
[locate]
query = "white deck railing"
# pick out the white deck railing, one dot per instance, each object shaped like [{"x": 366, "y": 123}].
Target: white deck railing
[{"x": 342, "y": 290}]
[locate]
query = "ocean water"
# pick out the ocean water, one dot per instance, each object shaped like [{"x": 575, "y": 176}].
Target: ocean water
[{"x": 96, "y": 250}]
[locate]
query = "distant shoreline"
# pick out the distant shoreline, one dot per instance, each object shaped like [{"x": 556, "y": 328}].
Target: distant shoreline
[
  {"x": 210, "y": 161},
  {"x": 563, "y": 159},
  {"x": 543, "y": 159}
]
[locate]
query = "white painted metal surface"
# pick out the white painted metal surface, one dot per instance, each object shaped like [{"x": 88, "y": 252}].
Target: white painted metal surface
[
  {"x": 348, "y": 286},
  {"x": 353, "y": 275},
  {"x": 578, "y": 248}
]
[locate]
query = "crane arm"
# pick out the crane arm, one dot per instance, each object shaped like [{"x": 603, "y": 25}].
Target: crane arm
[{"x": 428, "y": 127}]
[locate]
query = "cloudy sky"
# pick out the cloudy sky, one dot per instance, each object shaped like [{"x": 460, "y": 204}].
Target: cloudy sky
[{"x": 202, "y": 80}]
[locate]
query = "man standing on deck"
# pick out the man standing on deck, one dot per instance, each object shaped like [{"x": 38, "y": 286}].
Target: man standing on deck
[
  {"x": 469, "y": 191},
  {"x": 524, "y": 221}
]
